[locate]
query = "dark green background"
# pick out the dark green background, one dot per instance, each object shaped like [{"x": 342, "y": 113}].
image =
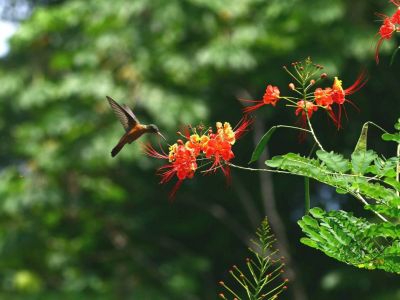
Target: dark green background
[{"x": 77, "y": 224}]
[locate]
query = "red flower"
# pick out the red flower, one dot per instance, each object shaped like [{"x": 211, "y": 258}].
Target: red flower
[
  {"x": 339, "y": 94},
  {"x": 183, "y": 164},
  {"x": 323, "y": 97},
  {"x": 219, "y": 147},
  {"x": 196, "y": 143},
  {"x": 385, "y": 31},
  {"x": 183, "y": 158},
  {"x": 271, "y": 96},
  {"x": 305, "y": 106},
  {"x": 221, "y": 152},
  {"x": 396, "y": 17},
  {"x": 302, "y": 108}
]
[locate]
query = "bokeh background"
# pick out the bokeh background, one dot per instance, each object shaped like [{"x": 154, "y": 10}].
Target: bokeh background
[{"x": 77, "y": 224}]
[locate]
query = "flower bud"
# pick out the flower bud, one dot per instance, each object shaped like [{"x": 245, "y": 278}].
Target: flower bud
[
  {"x": 291, "y": 86},
  {"x": 312, "y": 81},
  {"x": 324, "y": 75}
]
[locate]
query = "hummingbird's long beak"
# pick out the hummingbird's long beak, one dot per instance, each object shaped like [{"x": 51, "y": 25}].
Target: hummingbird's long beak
[{"x": 159, "y": 133}]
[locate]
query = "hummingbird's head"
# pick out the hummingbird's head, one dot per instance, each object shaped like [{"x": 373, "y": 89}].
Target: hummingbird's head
[{"x": 154, "y": 129}]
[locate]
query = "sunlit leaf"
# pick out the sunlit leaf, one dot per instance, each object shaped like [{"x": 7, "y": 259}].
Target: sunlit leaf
[
  {"x": 262, "y": 144},
  {"x": 334, "y": 161}
]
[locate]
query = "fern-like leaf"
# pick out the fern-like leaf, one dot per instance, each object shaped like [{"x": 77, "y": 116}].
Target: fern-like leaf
[
  {"x": 352, "y": 240},
  {"x": 262, "y": 277}
]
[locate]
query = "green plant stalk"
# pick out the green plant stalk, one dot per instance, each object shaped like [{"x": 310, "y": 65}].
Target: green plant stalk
[
  {"x": 231, "y": 291},
  {"x": 313, "y": 133},
  {"x": 308, "y": 118},
  {"x": 263, "y": 278},
  {"x": 307, "y": 195},
  {"x": 243, "y": 281},
  {"x": 272, "y": 276},
  {"x": 398, "y": 166},
  {"x": 293, "y": 127},
  {"x": 255, "y": 278},
  {"x": 248, "y": 284},
  {"x": 357, "y": 196},
  {"x": 278, "y": 287}
]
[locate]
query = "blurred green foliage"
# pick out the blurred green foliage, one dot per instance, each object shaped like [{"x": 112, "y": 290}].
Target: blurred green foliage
[{"x": 77, "y": 224}]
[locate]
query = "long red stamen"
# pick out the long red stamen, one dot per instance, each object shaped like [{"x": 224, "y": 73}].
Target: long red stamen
[
  {"x": 352, "y": 103},
  {"x": 174, "y": 190},
  {"x": 395, "y": 2},
  {"x": 227, "y": 173},
  {"x": 167, "y": 174},
  {"x": 242, "y": 126},
  {"x": 358, "y": 84},
  {"x": 250, "y": 101},
  {"x": 340, "y": 115},
  {"x": 252, "y": 108},
  {"x": 303, "y": 124},
  {"x": 378, "y": 46},
  {"x": 150, "y": 151},
  {"x": 331, "y": 114}
]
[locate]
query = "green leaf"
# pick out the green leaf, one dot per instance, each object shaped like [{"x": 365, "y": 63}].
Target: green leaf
[
  {"x": 387, "y": 230},
  {"x": 353, "y": 240},
  {"x": 275, "y": 162},
  {"x": 309, "y": 242},
  {"x": 341, "y": 191},
  {"x": 395, "y": 137},
  {"x": 259, "y": 266},
  {"x": 317, "y": 212},
  {"x": 382, "y": 167},
  {"x": 307, "y": 220},
  {"x": 393, "y": 182},
  {"x": 334, "y": 161},
  {"x": 261, "y": 144},
  {"x": 397, "y": 125},
  {"x": 361, "y": 160},
  {"x": 362, "y": 140}
]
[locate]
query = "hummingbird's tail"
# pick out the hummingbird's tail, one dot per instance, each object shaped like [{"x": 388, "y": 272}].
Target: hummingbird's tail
[{"x": 117, "y": 148}]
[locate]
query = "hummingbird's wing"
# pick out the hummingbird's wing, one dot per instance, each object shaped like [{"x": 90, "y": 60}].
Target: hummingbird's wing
[
  {"x": 130, "y": 112},
  {"x": 126, "y": 117}
]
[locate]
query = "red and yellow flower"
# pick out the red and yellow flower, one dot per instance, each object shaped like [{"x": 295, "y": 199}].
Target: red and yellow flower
[
  {"x": 323, "y": 97},
  {"x": 339, "y": 94},
  {"x": 184, "y": 157}
]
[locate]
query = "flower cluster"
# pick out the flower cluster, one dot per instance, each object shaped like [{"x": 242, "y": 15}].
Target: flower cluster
[
  {"x": 199, "y": 149},
  {"x": 389, "y": 26},
  {"x": 307, "y": 101}
]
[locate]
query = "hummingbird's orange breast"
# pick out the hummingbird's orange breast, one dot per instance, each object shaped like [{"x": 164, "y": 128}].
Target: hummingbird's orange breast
[{"x": 135, "y": 133}]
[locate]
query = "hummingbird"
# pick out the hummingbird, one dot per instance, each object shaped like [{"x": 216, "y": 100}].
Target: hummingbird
[{"x": 131, "y": 124}]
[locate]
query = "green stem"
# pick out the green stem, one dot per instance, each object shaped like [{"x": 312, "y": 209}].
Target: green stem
[
  {"x": 313, "y": 133},
  {"x": 307, "y": 195},
  {"x": 357, "y": 196},
  {"x": 293, "y": 127},
  {"x": 308, "y": 118},
  {"x": 398, "y": 166}
]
